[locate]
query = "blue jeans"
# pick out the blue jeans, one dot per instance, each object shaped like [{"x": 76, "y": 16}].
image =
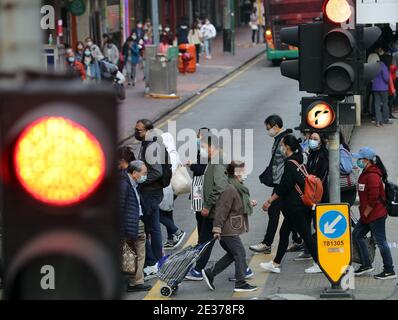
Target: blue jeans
[
  {"x": 378, "y": 229},
  {"x": 166, "y": 218},
  {"x": 381, "y": 106},
  {"x": 208, "y": 46},
  {"x": 153, "y": 246}
]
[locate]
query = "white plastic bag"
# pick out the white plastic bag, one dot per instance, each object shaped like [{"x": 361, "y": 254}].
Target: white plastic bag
[
  {"x": 167, "y": 203},
  {"x": 181, "y": 181}
]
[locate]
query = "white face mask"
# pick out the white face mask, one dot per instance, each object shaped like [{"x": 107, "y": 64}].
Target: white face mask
[
  {"x": 243, "y": 177},
  {"x": 271, "y": 132},
  {"x": 203, "y": 153},
  {"x": 167, "y": 29}
]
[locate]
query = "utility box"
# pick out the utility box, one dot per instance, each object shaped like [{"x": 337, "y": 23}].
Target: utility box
[{"x": 163, "y": 76}]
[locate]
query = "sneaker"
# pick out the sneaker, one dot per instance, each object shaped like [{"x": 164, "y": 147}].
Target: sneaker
[
  {"x": 363, "y": 269},
  {"x": 270, "y": 266},
  {"x": 179, "y": 237},
  {"x": 245, "y": 288},
  {"x": 209, "y": 279},
  {"x": 314, "y": 269},
  {"x": 169, "y": 245},
  {"x": 303, "y": 256},
  {"x": 388, "y": 122},
  {"x": 295, "y": 247},
  {"x": 194, "y": 275},
  {"x": 248, "y": 275},
  {"x": 138, "y": 288},
  {"x": 261, "y": 248},
  {"x": 392, "y": 117},
  {"x": 386, "y": 275}
]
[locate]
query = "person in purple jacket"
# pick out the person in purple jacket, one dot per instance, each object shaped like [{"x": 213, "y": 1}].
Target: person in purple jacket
[{"x": 380, "y": 92}]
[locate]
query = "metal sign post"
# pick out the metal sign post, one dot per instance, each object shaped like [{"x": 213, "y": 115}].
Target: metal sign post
[{"x": 334, "y": 246}]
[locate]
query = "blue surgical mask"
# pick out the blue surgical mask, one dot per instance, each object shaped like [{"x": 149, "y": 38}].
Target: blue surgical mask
[
  {"x": 361, "y": 164},
  {"x": 87, "y": 53},
  {"x": 198, "y": 142},
  {"x": 142, "y": 179},
  {"x": 313, "y": 144},
  {"x": 71, "y": 59}
]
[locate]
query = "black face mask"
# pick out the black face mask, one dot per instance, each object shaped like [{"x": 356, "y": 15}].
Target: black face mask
[{"x": 137, "y": 136}]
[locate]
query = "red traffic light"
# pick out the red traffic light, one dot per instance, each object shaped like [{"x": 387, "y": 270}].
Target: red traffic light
[
  {"x": 337, "y": 11},
  {"x": 58, "y": 161}
]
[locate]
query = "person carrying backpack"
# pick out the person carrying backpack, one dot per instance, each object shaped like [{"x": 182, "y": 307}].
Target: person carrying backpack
[
  {"x": 373, "y": 212},
  {"x": 296, "y": 201},
  {"x": 271, "y": 177},
  {"x": 155, "y": 157}
]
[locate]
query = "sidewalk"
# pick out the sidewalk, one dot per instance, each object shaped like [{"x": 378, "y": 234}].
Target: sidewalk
[
  {"x": 137, "y": 106},
  {"x": 292, "y": 281}
]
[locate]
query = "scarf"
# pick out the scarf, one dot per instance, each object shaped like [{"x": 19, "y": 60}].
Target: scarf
[{"x": 244, "y": 195}]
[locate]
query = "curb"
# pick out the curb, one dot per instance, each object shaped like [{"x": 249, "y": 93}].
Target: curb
[{"x": 198, "y": 93}]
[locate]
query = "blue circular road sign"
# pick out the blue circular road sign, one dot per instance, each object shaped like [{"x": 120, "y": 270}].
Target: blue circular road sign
[{"x": 333, "y": 224}]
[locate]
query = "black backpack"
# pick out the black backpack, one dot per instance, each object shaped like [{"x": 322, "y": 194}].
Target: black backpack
[
  {"x": 166, "y": 166},
  {"x": 391, "y": 198}
]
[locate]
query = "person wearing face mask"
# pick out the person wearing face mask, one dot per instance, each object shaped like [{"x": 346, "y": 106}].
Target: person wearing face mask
[
  {"x": 111, "y": 52},
  {"x": 198, "y": 170},
  {"x": 131, "y": 215},
  {"x": 152, "y": 192},
  {"x": 139, "y": 31},
  {"x": 373, "y": 212},
  {"x": 182, "y": 32},
  {"x": 214, "y": 183},
  {"x": 91, "y": 67},
  {"x": 79, "y": 51},
  {"x": 231, "y": 219},
  {"x": 95, "y": 50},
  {"x": 209, "y": 32},
  {"x": 131, "y": 54},
  {"x": 294, "y": 211},
  {"x": 75, "y": 67},
  {"x": 271, "y": 177},
  {"x": 317, "y": 165}
]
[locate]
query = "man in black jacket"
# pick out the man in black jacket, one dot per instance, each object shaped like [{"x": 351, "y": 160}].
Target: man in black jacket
[
  {"x": 152, "y": 192},
  {"x": 274, "y": 127}
]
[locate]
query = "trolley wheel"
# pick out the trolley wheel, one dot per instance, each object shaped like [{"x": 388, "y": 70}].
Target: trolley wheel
[
  {"x": 175, "y": 289},
  {"x": 166, "y": 291}
]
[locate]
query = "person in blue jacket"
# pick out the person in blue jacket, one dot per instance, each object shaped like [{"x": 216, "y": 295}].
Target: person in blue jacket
[
  {"x": 131, "y": 213},
  {"x": 91, "y": 66},
  {"x": 131, "y": 54}
]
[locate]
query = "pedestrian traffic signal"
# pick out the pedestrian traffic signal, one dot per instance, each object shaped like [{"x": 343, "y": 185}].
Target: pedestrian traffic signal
[
  {"x": 61, "y": 223},
  {"x": 319, "y": 114}
]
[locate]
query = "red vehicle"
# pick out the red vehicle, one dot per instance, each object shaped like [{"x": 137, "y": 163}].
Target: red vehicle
[{"x": 287, "y": 13}]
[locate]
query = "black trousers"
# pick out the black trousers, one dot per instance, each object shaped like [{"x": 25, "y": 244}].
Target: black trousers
[
  {"x": 205, "y": 235},
  {"x": 273, "y": 222},
  {"x": 295, "y": 219},
  {"x": 197, "y": 46}
]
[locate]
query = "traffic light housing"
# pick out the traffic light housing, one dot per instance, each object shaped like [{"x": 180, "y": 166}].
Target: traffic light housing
[
  {"x": 332, "y": 57},
  {"x": 58, "y": 172},
  {"x": 319, "y": 114}
]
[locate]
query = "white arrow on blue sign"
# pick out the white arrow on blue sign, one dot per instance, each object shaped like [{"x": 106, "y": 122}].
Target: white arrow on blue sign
[{"x": 333, "y": 224}]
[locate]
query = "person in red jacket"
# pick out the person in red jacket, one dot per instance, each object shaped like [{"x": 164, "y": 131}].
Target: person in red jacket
[
  {"x": 373, "y": 212},
  {"x": 75, "y": 66}
]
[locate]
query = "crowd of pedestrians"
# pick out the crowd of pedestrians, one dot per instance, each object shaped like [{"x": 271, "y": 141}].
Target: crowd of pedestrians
[{"x": 222, "y": 203}]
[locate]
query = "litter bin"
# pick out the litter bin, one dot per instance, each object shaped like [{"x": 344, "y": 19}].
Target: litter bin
[
  {"x": 191, "y": 49},
  {"x": 163, "y": 76}
]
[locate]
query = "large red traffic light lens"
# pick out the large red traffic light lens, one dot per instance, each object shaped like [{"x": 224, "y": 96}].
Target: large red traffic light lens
[
  {"x": 320, "y": 115},
  {"x": 58, "y": 161},
  {"x": 337, "y": 11}
]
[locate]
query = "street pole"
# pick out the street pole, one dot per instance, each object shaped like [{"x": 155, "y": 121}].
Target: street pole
[
  {"x": 233, "y": 27},
  {"x": 21, "y": 37},
  {"x": 334, "y": 166},
  {"x": 155, "y": 22}
]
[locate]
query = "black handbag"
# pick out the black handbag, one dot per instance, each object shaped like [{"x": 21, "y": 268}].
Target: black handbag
[
  {"x": 391, "y": 202},
  {"x": 266, "y": 177}
]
